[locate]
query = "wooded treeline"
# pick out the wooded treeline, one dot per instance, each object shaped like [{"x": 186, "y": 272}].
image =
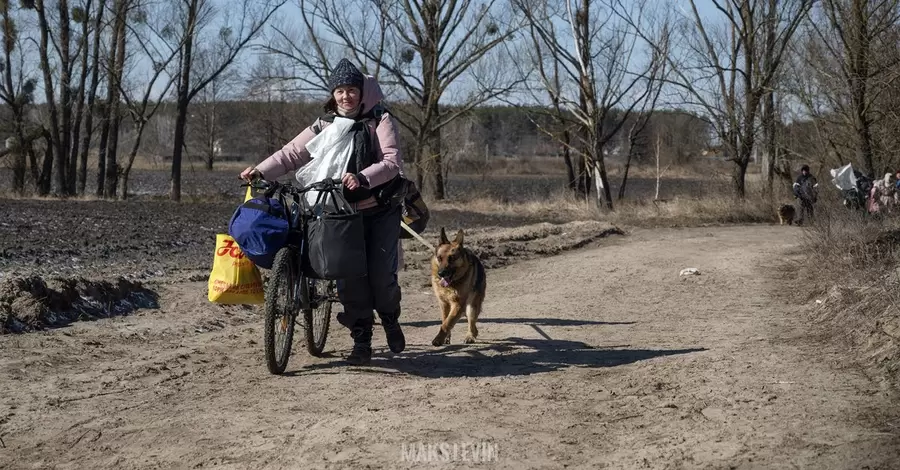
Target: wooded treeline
[{"x": 789, "y": 81}]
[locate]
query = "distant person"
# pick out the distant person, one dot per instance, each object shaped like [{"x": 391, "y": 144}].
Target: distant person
[
  {"x": 897, "y": 188},
  {"x": 883, "y": 194},
  {"x": 806, "y": 190}
]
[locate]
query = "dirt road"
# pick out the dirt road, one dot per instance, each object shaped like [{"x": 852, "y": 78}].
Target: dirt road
[{"x": 602, "y": 357}]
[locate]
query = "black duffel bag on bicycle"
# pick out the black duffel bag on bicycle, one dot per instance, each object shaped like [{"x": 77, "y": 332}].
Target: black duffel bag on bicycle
[
  {"x": 403, "y": 192},
  {"x": 335, "y": 238}
]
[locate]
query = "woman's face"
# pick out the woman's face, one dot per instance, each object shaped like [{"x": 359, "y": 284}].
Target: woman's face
[{"x": 347, "y": 97}]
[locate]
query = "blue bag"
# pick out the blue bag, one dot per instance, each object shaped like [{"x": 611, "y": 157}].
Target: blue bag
[{"x": 261, "y": 228}]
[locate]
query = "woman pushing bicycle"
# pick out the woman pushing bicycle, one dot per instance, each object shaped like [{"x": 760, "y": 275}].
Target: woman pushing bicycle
[{"x": 374, "y": 164}]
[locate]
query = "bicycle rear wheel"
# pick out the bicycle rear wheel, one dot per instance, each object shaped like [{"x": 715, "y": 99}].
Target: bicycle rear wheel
[
  {"x": 282, "y": 307},
  {"x": 317, "y": 317}
]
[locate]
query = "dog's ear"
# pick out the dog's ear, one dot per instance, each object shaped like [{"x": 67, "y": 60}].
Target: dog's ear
[
  {"x": 459, "y": 238},
  {"x": 444, "y": 240}
]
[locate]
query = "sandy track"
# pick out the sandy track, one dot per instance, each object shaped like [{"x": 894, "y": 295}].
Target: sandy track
[{"x": 601, "y": 357}]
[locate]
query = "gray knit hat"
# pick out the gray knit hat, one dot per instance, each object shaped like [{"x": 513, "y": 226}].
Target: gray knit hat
[{"x": 345, "y": 74}]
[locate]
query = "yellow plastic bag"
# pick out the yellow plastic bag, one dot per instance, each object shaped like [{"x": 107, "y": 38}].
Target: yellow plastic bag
[{"x": 234, "y": 278}]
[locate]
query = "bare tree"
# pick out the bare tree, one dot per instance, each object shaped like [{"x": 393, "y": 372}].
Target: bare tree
[
  {"x": 63, "y": 59},
  {"x": 856, "y": 41},
  {"x": 769, "y": 112},
  {"x": 91, "y": 93},
  {"x": 272, "y": 95},
  {"x": 550, "y": 79},
  {"x": 59, "y": 127},
  {"x": 207, "y": 108},
  {"x": 16, "y": 92},
  {"x": 192, "y": 17},
  {"x": 606, "y": 80},
  {"x": 724, "y": 71},
  {"x": 114, "y": 115},
  {"x": 142, "y": 105},
  {"x": 65, "y": 63},
  {"x": 636, "y": 135},
  {"x": 422, "y": 48}
]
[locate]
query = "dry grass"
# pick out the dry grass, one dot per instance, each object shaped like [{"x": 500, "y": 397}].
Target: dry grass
[
  {"x": 850, "y": 268},
  {"x": 533, "y": 165},
  {"x": 848, "y": 249},
  {"x": 30, "y": 195},
  {"x": 506, "y": 165},
  {"x": 678, "y": 212}
]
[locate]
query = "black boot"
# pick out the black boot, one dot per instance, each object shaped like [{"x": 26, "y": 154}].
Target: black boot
[
  {"x": 395, "y": 339},
  {"x": 362, "y": 342}
]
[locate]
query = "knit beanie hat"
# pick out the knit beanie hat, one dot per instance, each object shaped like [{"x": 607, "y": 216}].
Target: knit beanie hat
[{"x": 345, "y": 74}]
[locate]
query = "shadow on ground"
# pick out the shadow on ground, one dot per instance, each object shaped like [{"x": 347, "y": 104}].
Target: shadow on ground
[
  {"x": 509, "y": 357},
  {"x": 519, "y": 321}
]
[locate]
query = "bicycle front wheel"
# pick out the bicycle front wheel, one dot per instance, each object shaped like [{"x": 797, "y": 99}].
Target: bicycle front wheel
[
  {"x": 317, "y": 317},
  {"x": 282, "y": 307}
]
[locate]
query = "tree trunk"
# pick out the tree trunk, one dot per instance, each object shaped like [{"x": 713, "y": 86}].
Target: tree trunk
[
  {"x": 625, "y": 178},
  {"x": 858, "y": 53},
  {"x": 752, "y": 98},
  {"x": 123, "y": 180},
  {"x": 771, "y": 146},
  {"x": 658, "y": 173},
  {"x": 418, "y": 160},
  {"x": 45, "y": 182},
  {"x": 65, "y": 93},
  {"x": 18, "y": 154},
  {"x": 632, "y": 142},
  {"x": 208, "y": 163},
  {"x": 584, "y": 176},
  {"x": 180, "y": 124},
  {"x": 567, "y": 157},
  {"x": 437, "y": 165},
  {"x": 91, "y": 99},
  {"x": 739, "y": 178},
  {"x": 101, "y": 156},
  {"x": 123, "y": 186},
  {"x": 49, "y": 88},
  {"x": 600, "y": 176},
  {"x": 19, "y": 164},
  {"x": 184, "y": 84},
  {"x": 33, "y": 163},
  {"x": 769, "y": 101},
  {"x": 18, "y": 157},
  {"x": 211, "y": 134},
  {"x": 116, "y": 71},
  {"x": 79, "y": 105}
]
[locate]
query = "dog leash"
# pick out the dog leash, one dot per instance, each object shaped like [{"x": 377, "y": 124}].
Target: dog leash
[{"x": 416, "y": 235}]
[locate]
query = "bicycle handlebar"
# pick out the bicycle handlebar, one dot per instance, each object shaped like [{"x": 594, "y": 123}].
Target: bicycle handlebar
[{"x": 323, "y": 185}]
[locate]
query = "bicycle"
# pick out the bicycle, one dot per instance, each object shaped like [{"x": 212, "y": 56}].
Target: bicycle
[{"x": 289, "y": 291}]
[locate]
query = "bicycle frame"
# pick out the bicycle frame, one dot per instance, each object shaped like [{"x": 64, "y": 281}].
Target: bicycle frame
[{"x": 298, "y": 212}]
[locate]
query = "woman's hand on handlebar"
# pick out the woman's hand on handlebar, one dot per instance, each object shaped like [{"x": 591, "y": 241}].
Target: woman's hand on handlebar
[
  {"x": 250, "y": 174},
  {"x": 350, "y": 181}
]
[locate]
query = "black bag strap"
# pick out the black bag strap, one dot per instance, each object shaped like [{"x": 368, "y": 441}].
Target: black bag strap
[
  {"x": 341, "y": 205},
  {"x": 263, "y": 206},
  {"x": 262, "y": 203}
]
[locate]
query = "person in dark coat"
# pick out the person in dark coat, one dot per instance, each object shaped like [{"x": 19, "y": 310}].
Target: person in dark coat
[{"x": 806, "y": 191}]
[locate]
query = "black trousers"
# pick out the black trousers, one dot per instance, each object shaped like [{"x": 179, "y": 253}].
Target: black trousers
[
  {"x": 806, "y": 210},
  {"x": 379, "y": 291}
]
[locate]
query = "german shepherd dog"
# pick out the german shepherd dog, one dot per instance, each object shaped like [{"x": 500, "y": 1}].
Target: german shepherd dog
[
  {"x": 458, "y": 279},
  {"x": 786, "y": 213}
]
